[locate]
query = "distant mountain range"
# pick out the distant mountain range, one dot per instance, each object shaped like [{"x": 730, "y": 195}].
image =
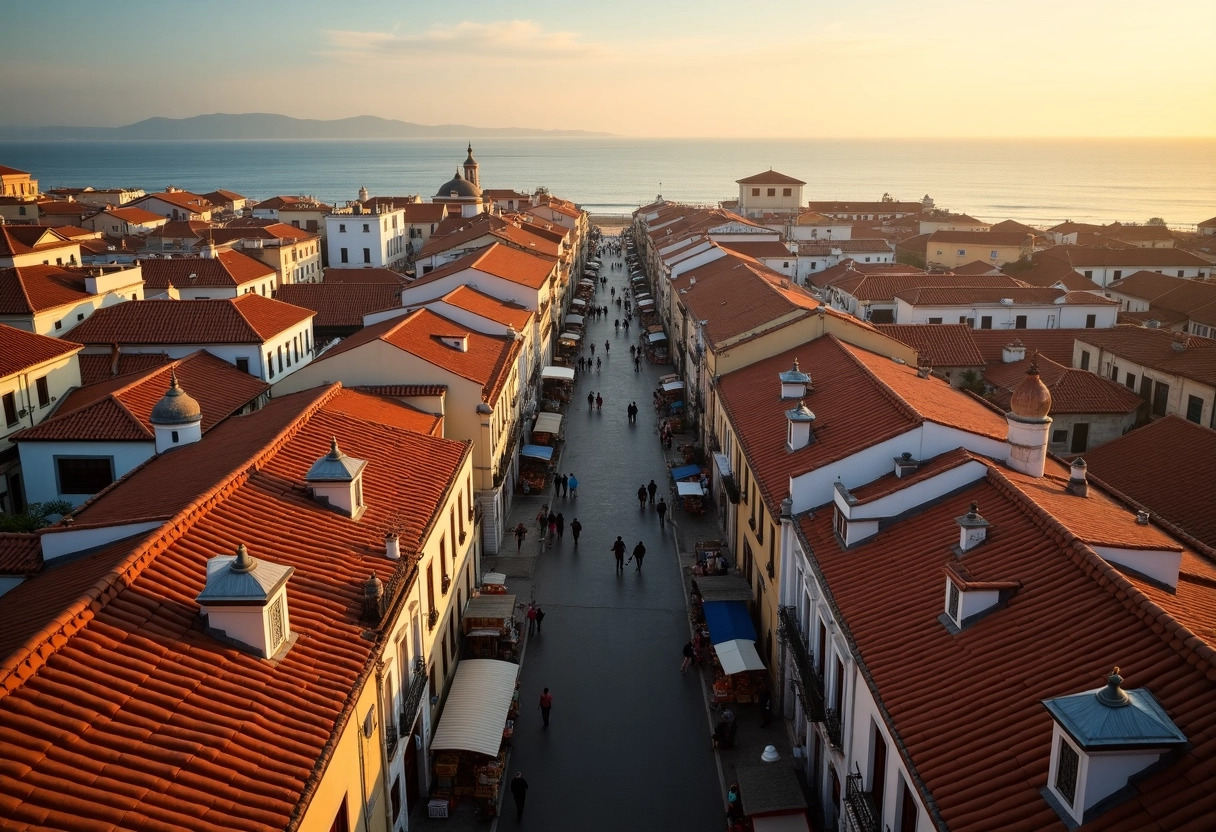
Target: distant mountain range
[{"x": 272, "y": 126}]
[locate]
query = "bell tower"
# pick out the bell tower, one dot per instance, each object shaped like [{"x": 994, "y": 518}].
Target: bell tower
[{"x": 470, "y": 168}]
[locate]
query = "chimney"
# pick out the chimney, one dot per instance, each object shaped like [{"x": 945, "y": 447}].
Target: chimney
[
  {"x": 923, "y": 368},
  {"x": 1077, "y": 482},
  {"x": 973, "y": 530},
  {"x": 392, "y": 546},
  {"x": 905, "y": 465},
  {"x": 245, "y": 601},
  {"x": 1013, "y": 352},
  {"x": 373, "y": 598},
  {"x": 1029, "y": 426},
  {"x": 794, "y": 383},
  {"x": 799, "y": 433},
  {"x": 337, "y": 481}
]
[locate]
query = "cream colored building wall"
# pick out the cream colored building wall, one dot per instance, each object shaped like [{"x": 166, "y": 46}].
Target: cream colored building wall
[
  {"x": 950, "y": 255},
  {"x": 755, "y": 199},
  {"x": 64, "y": 255},
  {"x": 354, "y": 774},
  {"x": 18, "y": 184}
]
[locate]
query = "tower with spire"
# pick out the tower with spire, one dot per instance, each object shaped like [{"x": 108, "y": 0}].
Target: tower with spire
[{"x": 470, "y": 168}]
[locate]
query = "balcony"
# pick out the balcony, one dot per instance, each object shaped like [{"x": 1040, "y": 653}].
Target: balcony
[
  {"x": 432, "y": 618},
  {"x": 806, "y": 681},
  {"x": 859, "y": 806},
  {"x": 390, "y": 739},
  {"x": 445, "y": 583},
  {"x": 413, "y": 697},
  {"x": 831, "y": 724}
]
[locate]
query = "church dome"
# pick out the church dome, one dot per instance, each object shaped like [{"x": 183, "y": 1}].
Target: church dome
[
  {"x": 177, "y": 407},
  {"x": 1031, "y": 399},
  {"x": 458, "y": 187}
]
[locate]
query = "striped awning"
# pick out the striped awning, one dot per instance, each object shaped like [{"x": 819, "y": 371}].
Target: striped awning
[{"x": 477, "y": 706}]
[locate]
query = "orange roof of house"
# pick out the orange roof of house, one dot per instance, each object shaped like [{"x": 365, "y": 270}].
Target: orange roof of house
[
  {"x": 21, "y": 350},
  {"x": 334, "y": 274},
  {"x": 942, "y": 345},
  {"x": 340, "y": 304},
  {"x": 1056, "y": 344},
  {"x": 964, "y": 294},
  {"x": 769, "y": 177},
  {"x": 880, "y": 286},
  {"x": 764, "y": 249},
  {"x": 96, "y": 367},
  {"x": 119, "y": 409},
  {"x": 1180, "y": 490},
  {"x": 733, "y": 296},
  {"x": 25, "y": 239},
  {"x": 5, "y": 170},
  {"x": 64, "y": 208},
  {"x": 133, "y": 215},
  {"x": 487, "y": 361},
  {"x": 459, "y": 232},
  {"x": 20, "y": 553},
  {"x": 859, "y": 399},
  {"x": 1176, "y": 353},
  {"x": 976, "y": 742},
  {"x": 182, "y": 199},
  {"x": 1083, "y": 256},
  {"x": 182, "y": 729},
  {"x": 262, "y": 230},
  {"x": 490, "y": 307},
  {"x": 227, "y": 269},
  {"x": 27, "y": 290},
  {"x": 245, "y": 319},
  {"x": 424, "y": 211},
  {"x": 1072, "y": 391},
  {"x": 499, "y": 260},
  {"x": 1013, "y": 226}
]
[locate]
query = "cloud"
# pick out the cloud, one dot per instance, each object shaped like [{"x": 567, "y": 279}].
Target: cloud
[{"x": 510, "y": 41}]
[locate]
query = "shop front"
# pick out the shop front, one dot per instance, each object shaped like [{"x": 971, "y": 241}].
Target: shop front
[
  {"x": 535, "y": 467},
  {"x": 739, "y": 673},
  {"x": 556, "y": 387},
  {"x": 490, "y": 628}
]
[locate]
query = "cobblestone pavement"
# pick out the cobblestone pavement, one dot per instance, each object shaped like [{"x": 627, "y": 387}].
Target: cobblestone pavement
[{"x": 628, "y": 745}]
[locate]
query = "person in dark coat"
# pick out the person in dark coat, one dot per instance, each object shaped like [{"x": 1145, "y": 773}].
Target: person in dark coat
[
  {"x": 618, "y": 549},
  {"x": 639, "y": 552},
  {"x": 561, "y": 525},
  {"x": 642, "y": 497},
  {"x": 661, "y": 508},
  {"x": 575, "y": 528},
  {"x": 651, "y": 489},
  {"x": 519, "y": 791}
]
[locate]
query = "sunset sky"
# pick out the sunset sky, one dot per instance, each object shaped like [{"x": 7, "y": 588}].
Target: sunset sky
[{"x": 706, "y": 68}]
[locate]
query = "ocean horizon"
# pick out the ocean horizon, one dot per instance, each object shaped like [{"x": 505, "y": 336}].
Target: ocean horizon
[{"x": 1035, "y": 181}]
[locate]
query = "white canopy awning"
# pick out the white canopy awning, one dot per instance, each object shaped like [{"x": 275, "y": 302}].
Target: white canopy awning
[
  {"x": 495, "y": 578},
  {"x": 595, "y": 264},
  {"x": 672, "y": 386},
  {"x": 574, "y": 319},
  {"x": 656, "y": 337},
  {"x": 737, "y": 656},
  {"x": 570, "y": 336},
  {"x": 781, "y": 823},
  {"x": 646, "y": 302},
  {"x": 585, "y": 283},
  {"x": 559, "y": 373},
  {"x": 690, "y": 489},
  {"x": 476, "y": 710},
  {"x": 547, "y": 423},
  {"x": 578, "y": 302}
]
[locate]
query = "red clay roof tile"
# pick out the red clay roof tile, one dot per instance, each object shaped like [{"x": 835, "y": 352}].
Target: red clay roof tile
[
  {"x": 25, "y": 290},
  {"x": 769, "y": 177},
  {"x": 20, "y": 553},
  {"x": 341, "y": 304},
  {"x": 1072, "y": 391},
  {"x": 944, "y": 345},
  {"x": 246, "y": 319},
  {"x": 21, "y": 350}
]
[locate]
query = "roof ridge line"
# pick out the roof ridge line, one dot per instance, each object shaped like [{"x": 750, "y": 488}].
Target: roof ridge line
[
  {"x": 884, "y": 388},
  {"x": 1160, "y": 621}
]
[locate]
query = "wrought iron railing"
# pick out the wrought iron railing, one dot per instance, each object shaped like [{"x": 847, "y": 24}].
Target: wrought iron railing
[
  {"x": 390, "y": 739},
  {"x": 445, "y": 583},
  {"x": 831, "y": 724},
  {"x": 859, "y": 805},
  {"x": 807, "y": 683},
  {"x": 413, "y": 697},
  {"x": 432, "y": 619}
]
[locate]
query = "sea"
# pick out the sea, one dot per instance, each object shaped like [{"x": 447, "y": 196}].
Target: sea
[{"x": 1036, "y": 181}]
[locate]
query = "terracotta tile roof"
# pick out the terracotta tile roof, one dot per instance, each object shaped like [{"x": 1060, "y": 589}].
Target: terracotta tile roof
[
  {"x": 859, "y": 400},
  {"x": 340, "y": 304},
  {"x": 995, "y": 238},
  {"x": 1072, "y": 618},
  {"x": 56, "y": 208},
  {"x": 119, "y": 409},
  {"x": 228, "y": 270},
  {"x": 889, "y": 484},
  {"x": 222, "y": 196},
  {"x": 826, "y": 247},
  {"x": 302, "y": 203},
  {"x": 487, "y": 360},
  {"x": 278, "y": 231},
  {"x": 766, "y": 248},
  {"x": 95, "y": 368},
  {"x": 1072, "y": 391},
  {"x": 837, "y": 207},
  {"x": 1176, "y": 353},
  {"x": 133, "y": 215},
  {"x": 21, "y": 350},
  {"x": 404, "y": 390},
  {"x": 500, "y": 260},
  {"x": 1082, "y": 257},
  {"x": 816, "y": 218},
  {"x": 246, "y": 319},
  {"x": 380, "y": 405},
  {"x": 885, "y": 287},
  {"x": 425, "y": 211},
  {"x": 182, "y": 230},
  {"x": 369, "y": 275},
  {"x": 127, "y": 615},
  {"x": 20, "y": 554},
  {"x": 504, "y": 193},
  {"x": 966, "y": 295},
  {"x": 770, "y": 177},
  {"x": 25, "y": 239},
  {"x": 944, "y": 345},
  {"x": 7, "y": 171},
  {"x": 1056, "y": 344},
  {"x": 26, "y": 290},
  {"x": 1014, "y": 227},
  {"x": 182, "y": 199},
  {"x": 1163, "y": 317},
  {"x": 734, "y": 296},
  {"x": 976, "y": 267},
  {"x": 1171, "y": 298},
  {"x": 490, "y": 307},
  {"x": 1180, "y": 491}
]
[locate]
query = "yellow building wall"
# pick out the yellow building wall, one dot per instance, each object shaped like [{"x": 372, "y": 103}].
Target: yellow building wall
[
  {"x": 354, "y": 774},
  {"x": 947, "y": 254}
]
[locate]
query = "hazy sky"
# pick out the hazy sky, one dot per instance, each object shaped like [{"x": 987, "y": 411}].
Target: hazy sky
[{"x": 631, "y": 67}]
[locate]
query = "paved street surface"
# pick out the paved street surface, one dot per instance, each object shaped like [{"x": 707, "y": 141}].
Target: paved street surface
[{"x": 628, "y": 745}]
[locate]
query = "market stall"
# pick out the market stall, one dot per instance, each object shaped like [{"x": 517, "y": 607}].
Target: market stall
[
  {"x": 771, "y": 798},
  {"x": 577, "y": 305},
  {"x": 494, "y": 583},
  {"x": 574, "y": 323},
  {"x": 568, "y": 347},
  {"x": 711, "y": 560},
  {"x": 490, "y": 629},
  {"x": 556, "y": 386},
  {"x": 477, "y": 722},
  {"x": 547, "y": 429},
  {"x": 739, "y": 671},
  {"x": 535, "y": 466},
  {"x": 656, "y": 347},
  {"x": 691, "y": 496}
]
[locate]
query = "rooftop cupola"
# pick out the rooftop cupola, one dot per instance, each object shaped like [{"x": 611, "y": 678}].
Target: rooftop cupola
[
  {"x": 1013, "y": 352},
  {"x": 245, "y": 601},
  {"x": 794, "y": 383},
  {"x": 470, "y": 168},
  {"x": 799, "y": 433},
  {"x": 1029, "y": 424},
  {"x": 363, "y": 194},
  {"x": 337, "y": 481},
  {"x": 1101, "y": 740},
  {"x": 176, "y": 418},
  {"x": 972, "y": 530},
  {"x": 1078, "y": 481}
]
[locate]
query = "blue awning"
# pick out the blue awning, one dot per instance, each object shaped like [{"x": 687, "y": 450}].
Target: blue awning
[
  {"x": 537, "y": 452},
  {"x": 728, "y": 620},
  {"x": 683, "y": 471}
]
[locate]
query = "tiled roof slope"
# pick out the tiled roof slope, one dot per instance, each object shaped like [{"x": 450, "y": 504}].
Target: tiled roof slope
[
  {"x": 247, "y": 319},
  {"x": 23, "y": 239},
  {"x": 733, "y": 296},
  {"x": 20, "y": 554},
  {"x": 977, "y": 736},
  {"x": 175, "y": 728},
  {"x": 488, "y": 306},
  {"x": 1080, "y": 256},
  {"x": 859, "y": 399},
  {"x": 881, "y": 287},
  {"x": 770, "y": 177},
  {"x": 228, "y": 269},
  {"x": 1180, "y": 491},
  {"x": 95, "y": 368},
  {"x": 25, "y": 290},
  {"x": 942, "y": 345},
  {"x": 120, "y": 409},
  {"x": 966, "y": 295},
  {"x": 337, "y": 275},
  {"x": 1056, "y": 344},
  {"x": 487, "y": 361},
  {"x": 340, "y": 304},
  {"x": 20, "y": 350},
  {"x": 500, "y": 260},
  {"x": 1072, "y": 391},
  {"x": 1184, "y": 355}
]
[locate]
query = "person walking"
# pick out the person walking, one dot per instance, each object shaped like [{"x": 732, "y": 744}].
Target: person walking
[
  {"x": 575, "y": 528},
  {"x": 590, "y": 400},
  {"x": 618, "y": 549},
  {"x": 639, "y": 553},
  {"x": 521, "y": 531},
  {"x": 574, "y": 491},
  {"x": 561, "y": 525},
  {"x": 546, "y": 705},
  {"x": 531, "y": 619},
  {"x": 593, "y": 349},
  {"x": 565, "y": 486},
  {"x": 651, "y": 488},
  {"x": 542, "y": 520},
  {"x": 597, "y": 365},
  {"x": 661, "y": 508},
  {"x": 688, "y": 656},
  {"x": 626, "y": 320},
  {"x": 552, "y": 525},
  {"x": 605, "y": 347},
  {"x": 637, "y": 365},
  {"x": 642, "y": 497},
  {"x": 557, "y": 486},
  {"x": 540, "y": 617},
  {"x": 519, "y": 791}
]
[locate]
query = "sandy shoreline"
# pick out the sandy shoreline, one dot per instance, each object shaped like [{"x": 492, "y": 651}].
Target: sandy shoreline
[{"x": 610, "y": 224}]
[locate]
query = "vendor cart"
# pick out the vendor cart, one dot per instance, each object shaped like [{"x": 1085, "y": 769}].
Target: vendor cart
[
  {"x": 556, "y": 387},
  {"x": 691, "y": 496},
  {"x": 548, "y": 430},
  {"x": 568, "y": 347},
  {"x": 535, "y": 468},
  {"x": 490, "y": 629}
]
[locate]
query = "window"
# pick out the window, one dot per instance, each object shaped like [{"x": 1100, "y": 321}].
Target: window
[
  {"x": 342, "y": 256},
  {"x": 366, "y": 228},
  {"x": 270, "y": 364},
  {"x": 1089, "y": 273},
  {"x": 908, "y": 813},
  {"x": 842, "y": 526},
  {"x": 1194, "y": 409},
  {"x": 962, "y": 252},
  {"x": 1019, "y": 322},
  {"x": 1130, "y": 381},
  {"x": 242, "y": 364},
  {"x": 295, "y": 223},
  {"x": 994, "y": 254},
  {"x": 985, "y": 322},
  {"x": 1117, "y": 274},
  {"x": 342, "y": 228},
  {"x": 935, "y": 320},
  {"x": 1180, "y": 273},
  {"x": 394, "y": 797},
  {"x": 1080, "y": 438},
  {"x": 174, "y": 436},
  {"x": 1058, "y": 436},
  {"x": 952, "y": 600},
  {"x": 83, "y": 475},
  {"x": 1114, "y": 373},
  {"x": 1091, "y": 321},
  {"x": 1066, "y": 772},
  {"x": 367, "y": 255},
  {"x": 771, "y": 192},
  {"x": 280, "y": 359},
  {"x": 44, "y": 392},
  {"x": 58, "y": 324},
  {"x": 10, "y": 409},
  {"x": 755, "y": 192},
  {"x": 787, "y": 191},
  {"x": 1084, "y": 359},
  {"x": 1161, "y": 398}
]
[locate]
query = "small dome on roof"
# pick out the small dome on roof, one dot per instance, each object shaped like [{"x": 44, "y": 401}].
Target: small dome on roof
[
  {"x": 1031, "y": 399},
  {"x": 458, "y": 186},
  {"x": 177, "y": 407}
]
